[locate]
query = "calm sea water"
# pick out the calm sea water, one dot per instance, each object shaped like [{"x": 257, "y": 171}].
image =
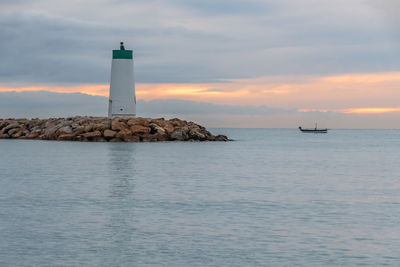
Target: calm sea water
[{"x": 274, "y": 197}]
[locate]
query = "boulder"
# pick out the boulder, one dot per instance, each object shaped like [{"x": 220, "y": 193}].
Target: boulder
[
  {"x": 177, "y": 122},
  {"x": 149, "y": 138},
  {"x": 80, "y": 129},
  {"x": 124, "y": 134},
  {"x": 196, "y": 134},
  {"x": 66, "y": 137},
  {"x": 88, "y": 127},
  {"x": 169, "y": 128},
  {"x": 25, "y": 132},
  {"x": 156, "y": 129},
  {"x": 16, "y": 134},
  {"x": 102, "y": 126},
  {"x": 4, "y": 135},
  {"x": 11, "y": 126},
  {"x": 14, "y": 131},
  {"x": 84, "y": 120},
  {"x": 221, "y": 138},
  {"x": 49, "y": 123},
  {"x": 138, "y": 121},
  {"x": 92, "y": 134},
  {"x": 139, "y": 129},
  {"x": 117, "y": 125},
  {"x": 75, "y": 125},
  {"x": 99, "y": 139},
  {"x": 50, "y": 133},
  {"x": 162, "y": 137},
  {"x": 65, "y": 130},
  {"x": 131, "y": 138},
  {"x": 3, "y": 123},
  {"x": 179, "y": 134},
  {"x": 109, "y": 133},
  {"x": 33, "y": 135}
]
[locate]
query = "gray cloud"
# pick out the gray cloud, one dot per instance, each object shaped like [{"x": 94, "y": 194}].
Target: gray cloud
[
  {"x": 389, "y": 13},
  {"x": 49, "y": 104},
  {"x": 185, "y": 107},
  {"x": 44, "y": 104},
  {"x": 222, "y": 7},
  {"x": 192, "y": 41}
]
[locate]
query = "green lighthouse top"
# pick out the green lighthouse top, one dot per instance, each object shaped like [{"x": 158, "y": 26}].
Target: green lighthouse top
[{"x": 122, "y": 53}]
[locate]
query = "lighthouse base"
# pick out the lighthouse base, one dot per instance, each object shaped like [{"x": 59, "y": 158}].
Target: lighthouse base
[{"x": 120, "y": 115}]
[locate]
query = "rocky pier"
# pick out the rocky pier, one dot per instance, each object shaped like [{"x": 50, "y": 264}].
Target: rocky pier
[{"x": 102, "y": 129}]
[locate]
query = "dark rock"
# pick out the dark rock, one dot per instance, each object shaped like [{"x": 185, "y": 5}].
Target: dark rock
[
  {"x": 50, "y": 132},
  {"x": 156, "y": 129},
  {"x": 33, "y": 135},
  {"x": 221, "y": 138},
  {"x": 196, "y": 134},
  {"x": 65, "y": 130},
  {"x": 66, "y": 137},
  {"x": 3, "y": 136},
  {"x": 179, "y": 134},
  {"x": 149, "y": 138},
  {"x": 131, "y": 138},
  {"x": 14, "y": 131},
  {"x": 11, "y": 126}
]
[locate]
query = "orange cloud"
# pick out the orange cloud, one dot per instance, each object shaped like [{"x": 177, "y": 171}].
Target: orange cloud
[
  {"x": 197, "y": 92},
  {"x": 370, "y": 110}
]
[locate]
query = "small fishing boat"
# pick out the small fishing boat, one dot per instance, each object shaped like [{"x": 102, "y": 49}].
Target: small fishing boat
[{"x": 315, "y": 130}]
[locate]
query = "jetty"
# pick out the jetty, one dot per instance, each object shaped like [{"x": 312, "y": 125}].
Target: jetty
[{"x": 103, "y": 129}]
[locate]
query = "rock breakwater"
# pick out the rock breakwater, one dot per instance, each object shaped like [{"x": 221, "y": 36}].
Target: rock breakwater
[{"x": 102, "y": 129}]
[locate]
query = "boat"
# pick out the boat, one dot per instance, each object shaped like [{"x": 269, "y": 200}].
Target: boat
[{"x": 315, "y": 130}]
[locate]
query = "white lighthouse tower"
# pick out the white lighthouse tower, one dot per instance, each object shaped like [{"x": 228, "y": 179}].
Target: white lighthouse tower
[{"x": 122, "y": 100}]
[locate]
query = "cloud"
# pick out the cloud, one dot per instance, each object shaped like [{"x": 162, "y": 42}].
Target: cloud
[
  {"x": 47, "y": 104},
  {"x": 44, "y": 49},
  {"x": 185, "y": 107},
  {"x": 191, "y": 41},
  {"x": 43, "y": 104},
  {"x": 221, "y": 7}
]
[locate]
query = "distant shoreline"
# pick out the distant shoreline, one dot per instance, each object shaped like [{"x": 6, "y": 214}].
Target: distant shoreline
[{"x": 103, "y": 129}]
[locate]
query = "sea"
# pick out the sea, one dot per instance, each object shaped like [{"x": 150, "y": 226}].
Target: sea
[{"x": 272, "y": 197}]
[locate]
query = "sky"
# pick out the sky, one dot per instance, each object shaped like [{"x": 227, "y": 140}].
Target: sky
[{"x": 251, "y": 63}]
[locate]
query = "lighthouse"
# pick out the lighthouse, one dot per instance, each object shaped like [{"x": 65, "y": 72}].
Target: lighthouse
[{"x": 122, "y": 100}]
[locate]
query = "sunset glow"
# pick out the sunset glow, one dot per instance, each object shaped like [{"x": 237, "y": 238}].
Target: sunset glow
[
  {"x": 339, "y": 94},
  {"x": 370, "y": 110},
  {"x": 354, "y": 110}
]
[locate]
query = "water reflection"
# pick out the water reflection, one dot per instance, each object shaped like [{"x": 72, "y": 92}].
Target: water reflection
[
  {"x": 122, "y": 180},
  {"x": 122, "y": 169}
]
